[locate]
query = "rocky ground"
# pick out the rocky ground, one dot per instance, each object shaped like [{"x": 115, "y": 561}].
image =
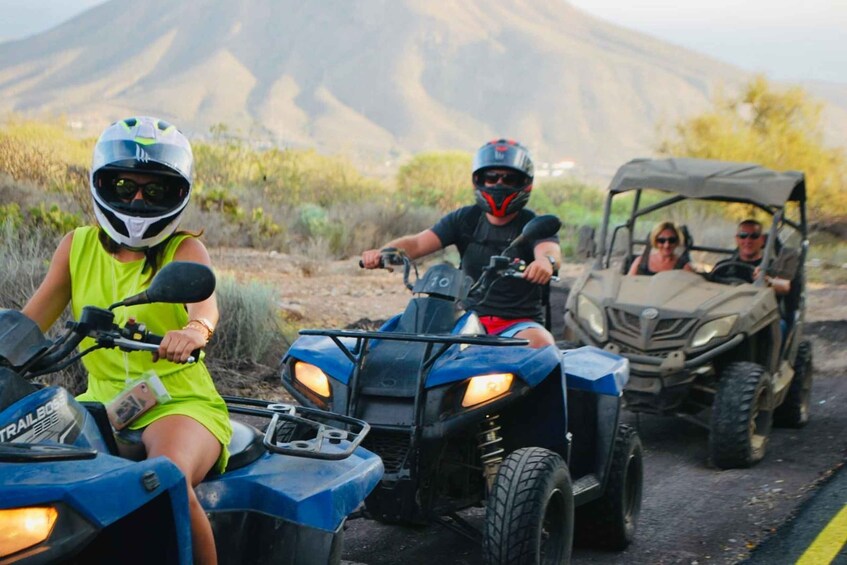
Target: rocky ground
[{"x": 325, "y": 293}]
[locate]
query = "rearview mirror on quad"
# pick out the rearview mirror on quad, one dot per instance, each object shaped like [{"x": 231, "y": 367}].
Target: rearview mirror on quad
[
  {"x": 540, "y": 227},
  {"x": 179, "y": 282}
]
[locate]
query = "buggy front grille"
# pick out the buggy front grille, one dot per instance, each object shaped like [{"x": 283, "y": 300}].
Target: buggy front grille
[{"x": 662, "y": 335}]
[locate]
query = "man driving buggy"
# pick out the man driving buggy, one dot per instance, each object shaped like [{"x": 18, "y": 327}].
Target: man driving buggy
[
  {"x": 750, "y": 243},
  {"x": 502, "y": 176}
]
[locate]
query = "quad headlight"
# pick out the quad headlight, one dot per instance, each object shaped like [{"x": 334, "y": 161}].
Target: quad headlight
[
  {"x": 486, "y": 387},
  {"x": 312, "y": 378},
  {"x": 21, "y": 528},
  {"x": 591, "y": 316},
  {"x": 714, "y": 329}
]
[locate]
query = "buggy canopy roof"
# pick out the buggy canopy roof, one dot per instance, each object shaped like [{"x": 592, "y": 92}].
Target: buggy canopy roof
[{"x": 710, "y": 179}]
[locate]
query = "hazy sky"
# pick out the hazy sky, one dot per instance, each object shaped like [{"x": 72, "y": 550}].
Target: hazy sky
[{"x": 787, "y": 39}]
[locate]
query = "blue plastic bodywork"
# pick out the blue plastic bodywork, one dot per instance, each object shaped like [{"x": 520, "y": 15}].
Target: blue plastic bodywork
[
  {"x": 409, "y": 381},
  {"x": 314, "y": 493},
  {"x": 308, "y": 493},
  {"x": 103, "y": 490},
  {"x": 587, "y": 368},
  {"x": 54, "y": 407},
  {"x": 591, "y": 369}
]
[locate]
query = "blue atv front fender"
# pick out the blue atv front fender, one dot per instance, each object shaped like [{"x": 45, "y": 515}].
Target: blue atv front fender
[
  {"x": 310, "y": 492},
  {"x": 98, "y": 500}
]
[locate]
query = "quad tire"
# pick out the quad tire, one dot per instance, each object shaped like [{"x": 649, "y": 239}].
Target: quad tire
[
  {"x": 794, "y": 410},
  {"x": 529, "y": 515},
  {"x": 741, "y": 416},
  {"x": 609, "y": 522}
]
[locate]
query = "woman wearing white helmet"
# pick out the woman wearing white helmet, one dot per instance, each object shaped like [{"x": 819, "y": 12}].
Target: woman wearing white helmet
[{"x": 141, "y": 183}]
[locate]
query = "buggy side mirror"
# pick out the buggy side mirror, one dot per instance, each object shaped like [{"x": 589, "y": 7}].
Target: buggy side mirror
[{"x": 180, "y": 282}]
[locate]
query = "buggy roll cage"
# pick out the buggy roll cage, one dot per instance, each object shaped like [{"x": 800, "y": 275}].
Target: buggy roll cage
[{"x": 706, "y": 180}]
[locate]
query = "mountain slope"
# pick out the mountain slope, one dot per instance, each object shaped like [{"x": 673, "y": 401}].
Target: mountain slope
[{"x": 371, "y": 78}]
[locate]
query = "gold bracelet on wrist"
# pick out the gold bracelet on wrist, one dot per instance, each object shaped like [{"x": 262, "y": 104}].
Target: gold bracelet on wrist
[{"x": 203, "y": 325}]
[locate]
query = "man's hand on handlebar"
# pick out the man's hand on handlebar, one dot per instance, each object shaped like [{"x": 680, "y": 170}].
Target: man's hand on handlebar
[
  {"x": 371, "y": 259},
  {"x": 539, "y": 272},
  {"x": 383, "y": 258}
]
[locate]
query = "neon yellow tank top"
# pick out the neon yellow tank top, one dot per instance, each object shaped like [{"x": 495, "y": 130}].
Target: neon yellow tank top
[{"x": 98, "y": 279}]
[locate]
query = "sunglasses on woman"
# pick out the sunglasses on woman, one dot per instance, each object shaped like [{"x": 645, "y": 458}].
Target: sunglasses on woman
[
  {"x": 510, "y": 179},
  {"x": 663, "y": 240},
  {"x": 153, "y": 192}
]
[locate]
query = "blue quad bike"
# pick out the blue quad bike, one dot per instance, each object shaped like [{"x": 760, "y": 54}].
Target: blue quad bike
[
  {"x": 67, "y": 496},
  {"x": 464, "y": 419}
]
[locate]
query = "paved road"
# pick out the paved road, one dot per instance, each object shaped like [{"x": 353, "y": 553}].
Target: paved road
[
  {"x": 692, "y": 513},
  {"x": 816, "y": 534}
]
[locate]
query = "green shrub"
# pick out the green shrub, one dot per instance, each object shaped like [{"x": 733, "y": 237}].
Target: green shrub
[
  {"x": 249, "y": 330},
  {"x": 46, "y": 154},
  {"x": 25, "y": 257},
  {"x": 439, "y": 180},
  {"x": 229, "y": 168}
]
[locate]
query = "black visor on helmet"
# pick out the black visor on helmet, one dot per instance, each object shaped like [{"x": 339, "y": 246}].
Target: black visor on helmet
[
  {"x": 160, "y": 193},
  {"x": 493, "y": 176},
  {"x": 503, "y": 154}
]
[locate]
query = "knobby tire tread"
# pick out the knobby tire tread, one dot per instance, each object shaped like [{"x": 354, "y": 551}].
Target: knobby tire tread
[
  {"x": 602, "y": 523},
  {"x": 730, "y": 443},
  {"x": 516, "y": 502},
  {"x": 791, "y": 413}
]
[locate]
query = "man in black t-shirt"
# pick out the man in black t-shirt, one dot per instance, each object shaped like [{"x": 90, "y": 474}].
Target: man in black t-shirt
[
  {"x": 502, "y": 177},
  {"x": 750, "y": 243}
]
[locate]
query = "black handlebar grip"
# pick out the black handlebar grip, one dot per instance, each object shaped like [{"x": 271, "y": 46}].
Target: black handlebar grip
[{"x": 381, "y": 263}]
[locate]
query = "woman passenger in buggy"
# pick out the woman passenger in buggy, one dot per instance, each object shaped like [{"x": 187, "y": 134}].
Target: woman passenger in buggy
[
  {"x": 502, "y": 176},
  {"x": 660, "y": 255},
  {"x": 141, "y": 183}
]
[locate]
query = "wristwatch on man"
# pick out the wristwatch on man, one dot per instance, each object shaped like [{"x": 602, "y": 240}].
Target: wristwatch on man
[{"x": 552, "y": 261}]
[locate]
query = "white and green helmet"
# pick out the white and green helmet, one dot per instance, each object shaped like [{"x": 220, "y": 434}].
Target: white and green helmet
[{"x": 147, "y": 146}]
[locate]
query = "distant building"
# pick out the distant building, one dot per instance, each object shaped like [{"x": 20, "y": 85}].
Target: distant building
[{"x": 556, "y": 169}]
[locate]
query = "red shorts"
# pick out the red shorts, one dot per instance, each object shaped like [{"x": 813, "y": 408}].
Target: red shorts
[{"x": 495, "y": 324}]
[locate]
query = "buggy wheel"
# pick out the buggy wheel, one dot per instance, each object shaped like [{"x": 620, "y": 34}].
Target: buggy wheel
[
  {"x": 529, "y": 514},
  {"x": 741, "y": 416},
  {"x": 794, "y": 410},
  {"x": 609, "y": 522}
]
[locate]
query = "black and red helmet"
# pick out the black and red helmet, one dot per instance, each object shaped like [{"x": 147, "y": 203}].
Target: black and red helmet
[{"x": 505, "y": 193}]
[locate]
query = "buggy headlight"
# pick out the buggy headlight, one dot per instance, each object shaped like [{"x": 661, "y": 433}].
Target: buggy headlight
[
  {"x": 714, "y": 329},
  {"x": 21, "y": 528},
  {"x": 312, "y": 378},
  {"x": 486, "y": 387},
  {"x": 591, "y": 315}
]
